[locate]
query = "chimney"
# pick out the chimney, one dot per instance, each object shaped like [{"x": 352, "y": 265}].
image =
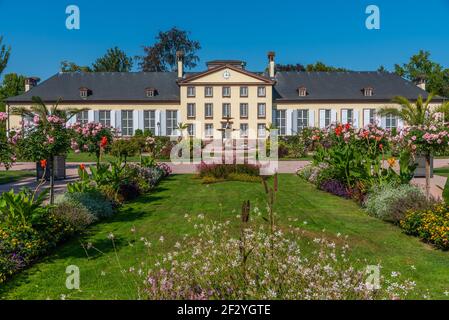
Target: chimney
[
  {"x": 421, "y": 83},
  {"x": 180, "y": 61},
  {"x": 31, "y": 82},
  {"x": 271, "y": 63}
]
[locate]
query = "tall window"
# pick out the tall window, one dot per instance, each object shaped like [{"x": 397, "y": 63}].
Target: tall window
[
  {"x": 226, "y": 92},
  {"x": 191, "y": 92},
  {"x": 104, "y": 116},
  {"x": 281, "y": 122},
  {"x": 208, "y": 110},
  {"x": 226, "y": 110},
  {"x": 127, "y": 123},
  {"x": 149, "y": 121},
  {"x": 243, "y": 110},
  {"x": 209, "y": 130},
  {"x": 261, "y": 92},
  {"x": 261, "y": 130},
  {"x": 171, "y": 122},
  {"x": 327, "y": 117},
  {"x": 261, "y": 110},
  {"x": 82, "y": 117},
  {"x": 191, "y": 110},
  {"x": 349, "y": 116},
  {"x": 191, "y": 129},
  {"x": 208, "y": 92},
  {"x": 372, "y": 116},
  {"x": 243, "y": 92},
  {"x": 243, "y": 130},
  {"x": 303, "y": 119},
  {"x": 391, "y": 121}
]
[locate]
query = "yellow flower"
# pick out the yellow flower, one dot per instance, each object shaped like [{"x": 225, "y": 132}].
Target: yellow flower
[{"x": 391, "y": 162}]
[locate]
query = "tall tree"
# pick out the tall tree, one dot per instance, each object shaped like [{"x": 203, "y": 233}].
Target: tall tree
[
  {"x": 161, "y": 56},
  {"x": 13, "y": 85},
  {"x": 321, "y": 67},
  {"x": 67, "y": 66},
  {"x": 421, "y": 68},
  {"x": 5, "y": 52},
  {"x": 115, "y": 60}
]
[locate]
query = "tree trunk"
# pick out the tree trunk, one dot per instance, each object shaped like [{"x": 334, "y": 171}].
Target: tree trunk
[
  {"x": 428, "y": 176},
  {"x": 52, "y": 180}
]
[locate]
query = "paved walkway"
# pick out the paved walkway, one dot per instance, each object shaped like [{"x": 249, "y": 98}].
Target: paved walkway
[{"x": 437, "y": 183}]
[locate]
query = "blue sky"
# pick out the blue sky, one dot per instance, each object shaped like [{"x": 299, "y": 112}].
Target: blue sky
[{"x": 299, "y": 31}]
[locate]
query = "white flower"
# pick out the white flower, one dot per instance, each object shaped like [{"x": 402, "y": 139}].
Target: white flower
[
  {"x": 161, "y": 239},
  {"x": 111, "y": 236}
]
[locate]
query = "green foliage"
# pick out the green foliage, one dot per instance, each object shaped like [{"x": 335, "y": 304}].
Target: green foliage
[
  {"x": 74, "y": 214},
  {"x": 13, "y": 85},
  {"x": 115, "y": 60},
  {"x": 5, "y": 52},
  {"x": 390, "y": 202},
  {"x": 23, "y": 208},
  {"x": 431, "y": 225},
  {"x": 421, "y": 68},
  {"x": 94, "y": 202},
  {"x": 161, "y": 56},
  {"x": 321, "y": 67},
  {"x": 125, "y": 148}
]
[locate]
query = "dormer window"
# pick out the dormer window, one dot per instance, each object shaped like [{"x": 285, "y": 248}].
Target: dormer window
[
  {"x": 302, "y": 91},
  {"x": 150, "y": 92},
  {"x": 84, "y": 92},
  {"x": 368, "y": 92}
]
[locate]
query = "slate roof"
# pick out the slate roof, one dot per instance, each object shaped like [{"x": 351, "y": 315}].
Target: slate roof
[
  {"x": 105, "y": 86},
  {"x": 345, "y": 86},
  {"x": 130, "y": 86}
]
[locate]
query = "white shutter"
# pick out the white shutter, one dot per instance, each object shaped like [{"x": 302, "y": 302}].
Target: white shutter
[
  {"x": 400, "y": 123},
  {"x": 135, "y": 120},
  {"x": 91, "y": 116},
  {"x": 118, "y": 119},
  {"x": 97, "y": 116},
  {"x": 344, "y": 116},
  {"x": 179, "y": 120},
  {"x": 366, "y": 116},
  {"x": 140, "y": 124},
  {"x": 312, "y": 118},
  {"x": 295, "y": 122},
  {"x": 379, "y": 120},
  {"x": 333, "y": 116},
  {"x": 289, "y": 116},
  {"x": 72, "y": 120},
  {"x": 383, "y": 122},
  {"x": 163, "y": 123},
  {"x": 322, "y": 119},
  {"x": 356, "y": 118},
  {"x": 113, "y": 116}
]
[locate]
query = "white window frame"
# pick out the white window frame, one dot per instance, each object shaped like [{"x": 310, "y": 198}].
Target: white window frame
[
  {"x": 259, "y": 114},
  {"x": 127, "y": 127},
  {"x": 226, "y": 110},
  {"x": 82, "y": 117},
  {"x": 243, "y": 92},
  {"x": 244, "y": 110},
  {"x": 208, "y": 92},
  {"x": 226, "y": 91},
  {"x": 327, "y": 117},
  {"x": 244, "y": 130},
  {"x": 191, "y": 92},
  {"x": 261, "y": 92},
  {"x": 261, "y": 130},
  {"x": 191, "y": 110},
  {"x": 209, "y": 110},
  {"x": 149, "y": 121},
  {"x": 209, "y": 130},
  {"x": 191, "y": 129},
  {"x": 391, "y": 122},
  {"x": 281, "y": 122},
  {"x": 104, "y": 117},
  {"x": 302, "y": 120},
  {"x": 171, "y": 122}
]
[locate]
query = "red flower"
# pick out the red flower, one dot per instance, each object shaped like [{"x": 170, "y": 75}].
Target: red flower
[
  {"x": 347, "y": 126},
  {"x": 338, "y": 130},
  {"x": 104, "y": 142},
  {"x": 82, "y": 167},
  {"x": 381, "y": 146},
  {"x": 43, "y": 164}
]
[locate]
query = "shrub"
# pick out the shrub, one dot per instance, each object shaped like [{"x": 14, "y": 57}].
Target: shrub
[
  {"x": 335, "y": 187},
  {"x": 390, "y": 202},
  {"x": 74, "y": 214},
  {"x": 311, "y": 173},
  {"x": 259, "y": 264},
  {"x": 124, "y": 148},
  {"x": 430, "y": 225},
  {"x": 95, "y": 202}
]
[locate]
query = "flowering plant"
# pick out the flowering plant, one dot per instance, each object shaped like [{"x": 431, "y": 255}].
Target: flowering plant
[
  {"x": 7, "y": 156},
  {"x": 92, "y": 137}
]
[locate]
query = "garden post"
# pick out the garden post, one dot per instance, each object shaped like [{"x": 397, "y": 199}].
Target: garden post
[
  {"x": 428, "y": 176},
  {"x": 52, "y": 180}
]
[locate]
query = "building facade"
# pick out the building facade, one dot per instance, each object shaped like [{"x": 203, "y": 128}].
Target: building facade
[{"x": 225, "y": 93}]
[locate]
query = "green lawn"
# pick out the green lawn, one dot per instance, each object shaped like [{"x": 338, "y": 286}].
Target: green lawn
[
  {"x": 14, "y": 175},
  {"x": 444, "y": 171},
  {"x": 162, "y": 214},
  {"x": 86, "y": 157}
]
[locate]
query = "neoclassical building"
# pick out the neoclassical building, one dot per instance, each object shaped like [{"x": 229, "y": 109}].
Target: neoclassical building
[{"x": 159, "y": 101}]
